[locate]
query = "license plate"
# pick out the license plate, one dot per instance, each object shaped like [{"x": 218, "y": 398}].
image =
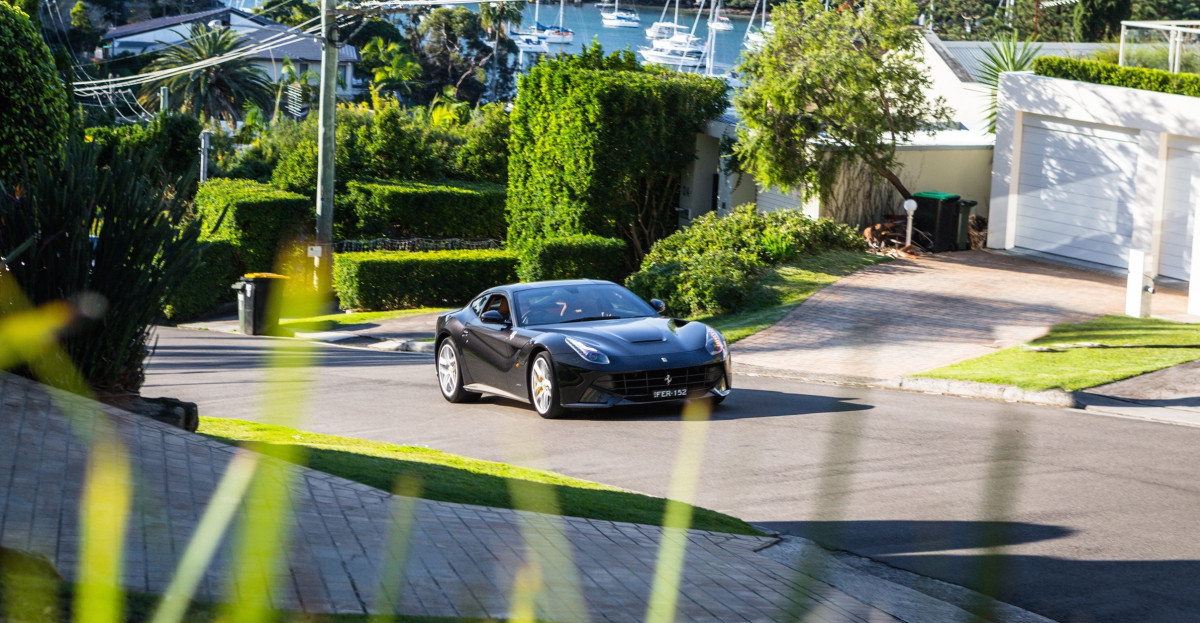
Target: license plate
[{"x": 671, "y": 393}]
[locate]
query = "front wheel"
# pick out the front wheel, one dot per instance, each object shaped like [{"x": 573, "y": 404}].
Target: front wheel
[
  {"x": 450, "y": 374},
  {"x": 543, "y": 387}
]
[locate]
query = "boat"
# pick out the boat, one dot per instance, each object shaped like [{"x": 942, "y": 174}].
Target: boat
[
  {"x": 617, "y": 18},
  {"x": 662, "y": 29},
  {"x": 755, "y": 38},
  {"x": 683, "y": 49},
  {"x": 719, "y": 22},
  {"x": 525, "y": 33},
  {"x": 558, "y": 33}
]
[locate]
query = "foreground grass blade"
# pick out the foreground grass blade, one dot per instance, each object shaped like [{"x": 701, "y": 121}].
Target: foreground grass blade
[
  {"x": 395, "y": 558},
  {"x": 207, "y": 538},
  {"x": 263, "y": 535},
  {"x": 668, "y": 571}
]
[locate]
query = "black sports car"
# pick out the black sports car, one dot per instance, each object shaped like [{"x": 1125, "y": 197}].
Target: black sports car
[{"x": 576, "y": 344}]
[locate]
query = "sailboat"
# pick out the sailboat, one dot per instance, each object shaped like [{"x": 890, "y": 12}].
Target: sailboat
[
  {"x": 717, "y": 21},
  {"x": 558, "y": 33},
  {"x": 683, "y": 49},
  {"x": 618, "y": 18},
  {"x": 662, "y": 29},
  {"x": 754, "y": 39}
]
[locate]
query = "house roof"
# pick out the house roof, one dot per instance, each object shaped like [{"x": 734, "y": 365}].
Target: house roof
[
  {"x": 305, "y": 49},
  {"x": 159, "y": 23},
  {"x": 968, "y": 56}
]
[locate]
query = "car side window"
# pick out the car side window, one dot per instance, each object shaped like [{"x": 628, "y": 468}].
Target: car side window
[
  {"x": 498, "y": 303},
  {"x": 477, "y": 305}
]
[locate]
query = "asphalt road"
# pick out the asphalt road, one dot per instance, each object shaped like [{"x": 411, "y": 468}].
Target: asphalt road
[{"x": 1075, "y": 516}]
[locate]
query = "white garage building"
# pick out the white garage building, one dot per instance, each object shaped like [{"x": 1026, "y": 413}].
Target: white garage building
[{"x": 1090, "y": 172}]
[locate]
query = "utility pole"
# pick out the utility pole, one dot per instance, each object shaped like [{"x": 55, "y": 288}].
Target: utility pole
[
  {"x": 325, "y": 146},
  {"x": 162, "y": 99},
  {"x": 205, "y": 137}
]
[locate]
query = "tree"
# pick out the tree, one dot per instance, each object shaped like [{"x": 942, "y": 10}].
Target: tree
[
  {"x": 455, "y": 51},
  {"x": 218, "y": 91},
  {"x": 33, "y": 104},
  {"x": 1001, "y": 57},
  {"x": 392, "y": 67},
  {"x": 1100, "y": 20},
  {"x": 289, "y": 12},
  {"x": 288, "y": 76},
  {"x": 830, "y": 87},
  {"x": 600, "y": 151},
  {"x": 1147, "y": 10}
]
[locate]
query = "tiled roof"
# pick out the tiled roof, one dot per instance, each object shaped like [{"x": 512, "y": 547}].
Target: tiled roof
[
  {"x": 159, "y": 23},
  {"x": 970, "y": 54}
]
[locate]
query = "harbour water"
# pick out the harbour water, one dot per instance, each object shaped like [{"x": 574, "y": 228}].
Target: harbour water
[{"x": 584, "y": 19}]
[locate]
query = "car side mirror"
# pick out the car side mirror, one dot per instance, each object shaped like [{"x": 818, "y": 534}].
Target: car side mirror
[
  {"x": 658, "y": 305},
  {"x": 492, "y": 316}
]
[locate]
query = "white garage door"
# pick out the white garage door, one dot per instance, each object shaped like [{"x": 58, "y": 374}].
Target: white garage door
[
  {"x": 1076, "y": 189},
  {"x": 1183, "y": 192},
  {"x": 772, "y": 199}
]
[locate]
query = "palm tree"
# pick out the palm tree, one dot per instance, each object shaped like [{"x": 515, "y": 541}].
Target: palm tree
[
  {"x": 217, "y": 91},
  {"x": 288, "y": 75},
  {"x": 397, "y": 69}
]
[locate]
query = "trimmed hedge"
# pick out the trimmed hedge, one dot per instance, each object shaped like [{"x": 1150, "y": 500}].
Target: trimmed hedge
[
  {"x": 574, "y": 257},
  {"x": 400, "y": 279},
  {"x": 1098, "y": 72},
  {"x": 256, "y": 218},
  {"x": 34, "y": 106},
  {"x": 206, "y": 287},
  {"x": 415, "y": 209}
]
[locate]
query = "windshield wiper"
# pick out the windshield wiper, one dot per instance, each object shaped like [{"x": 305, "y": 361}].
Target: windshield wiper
[{"x": 590, "y": 318}]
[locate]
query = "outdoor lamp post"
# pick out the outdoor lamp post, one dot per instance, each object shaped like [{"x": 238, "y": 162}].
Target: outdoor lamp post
[{"x": 910, "y": 206}]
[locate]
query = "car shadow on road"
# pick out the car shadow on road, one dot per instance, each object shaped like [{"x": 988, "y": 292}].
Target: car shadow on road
[
  {"x": 175, "y": 358},
  {"x": 740, "y": 405},
  {"x": 1061, "y": 589}
]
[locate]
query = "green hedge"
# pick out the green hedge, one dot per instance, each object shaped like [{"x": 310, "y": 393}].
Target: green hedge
[
  {"x": 206, "y": 287},
  {"x": 445, "y": 210},
  {"x": 256, "y": 218},
  {"x": 574, "y": 257},
  {"x": 1098, "y": 72},
  {"x": 400, "y": 279}
]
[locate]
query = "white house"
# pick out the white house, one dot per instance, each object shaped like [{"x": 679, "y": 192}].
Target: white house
[
  {"x": 1098, "y": 174},
  {"x": 276, "y": 41}
]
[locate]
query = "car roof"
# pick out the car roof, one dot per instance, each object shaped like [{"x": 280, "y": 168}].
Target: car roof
[{"x": 521, "y": 287}]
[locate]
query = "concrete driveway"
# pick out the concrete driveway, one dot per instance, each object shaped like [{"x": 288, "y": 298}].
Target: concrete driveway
[{"x": 910, "y": 316}]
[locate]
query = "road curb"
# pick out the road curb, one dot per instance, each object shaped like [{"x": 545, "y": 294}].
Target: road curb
[
  {"x": 407, "y": 346},
  {"x": 989, "y": 391},
  {"x": 945, "y": 387}
]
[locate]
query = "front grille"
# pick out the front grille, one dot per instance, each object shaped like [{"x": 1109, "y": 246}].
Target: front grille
[{"x": 642, "y": 385}]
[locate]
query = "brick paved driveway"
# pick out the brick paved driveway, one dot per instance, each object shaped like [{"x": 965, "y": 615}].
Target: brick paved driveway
[{"x": 910, "y": 316}]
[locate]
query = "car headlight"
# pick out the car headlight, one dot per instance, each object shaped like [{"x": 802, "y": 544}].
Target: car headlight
[
  {"x": 587, "y": 351},
  {"x": 714, "y": 342}
]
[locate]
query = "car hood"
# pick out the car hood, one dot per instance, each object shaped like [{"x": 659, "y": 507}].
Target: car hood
[{"x": 631, "y": 336}]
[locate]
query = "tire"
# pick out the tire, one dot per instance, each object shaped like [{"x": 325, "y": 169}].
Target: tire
[
  {"x": 543, "y": 388},
  {"x": 449, "y": 372}
]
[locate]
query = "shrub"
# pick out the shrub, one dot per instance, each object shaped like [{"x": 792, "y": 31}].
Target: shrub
[
  {"x": 173, "y": 137},
  {"x": 399, "y": 149},
  {"x": 712, "y": 266},
  {"x": 33, "y": 104},
  {"x": 297, "y": 170},
  {"x": 1098, "y": 72},
  {"x": 208, "y": 286},
  {"x": 399, "y": 279},
  {"x": 574, "y": 257},
  {"x": 484, "y": 154},
  {"x": 448, "y": 210},
  {"x": 141, "y": 251},
  {"x": 256, "y": 218}
]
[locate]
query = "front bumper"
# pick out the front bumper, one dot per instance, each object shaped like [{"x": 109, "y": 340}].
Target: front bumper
[{"x": 643, "y": 380}]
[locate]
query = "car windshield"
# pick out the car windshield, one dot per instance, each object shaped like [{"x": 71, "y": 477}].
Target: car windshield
[{"x": 579, "y": 303}]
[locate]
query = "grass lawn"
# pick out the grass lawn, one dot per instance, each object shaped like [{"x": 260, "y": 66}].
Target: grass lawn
[
  {"x": 1143, "y": 345},
  {"x": 334, "y": 321},
  {"x": 453, "y": 478},
  {"x": 785, "y": 287}
]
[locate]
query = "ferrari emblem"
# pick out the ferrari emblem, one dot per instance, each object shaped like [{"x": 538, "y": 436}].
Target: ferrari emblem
[
  {"x": 664, "y": 359},
  {"x": 667, "y": 380}
]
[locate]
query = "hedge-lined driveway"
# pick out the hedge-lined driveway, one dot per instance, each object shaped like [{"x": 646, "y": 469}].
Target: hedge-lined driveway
[{"x": 1092, "y": 518}]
